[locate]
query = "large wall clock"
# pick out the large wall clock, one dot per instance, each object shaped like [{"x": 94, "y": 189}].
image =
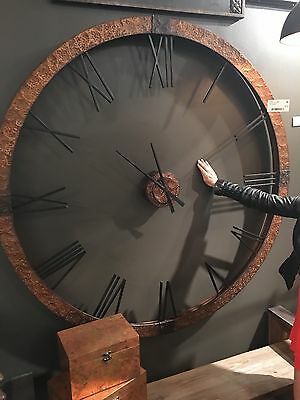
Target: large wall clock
[{"x": 102, "y": 209}]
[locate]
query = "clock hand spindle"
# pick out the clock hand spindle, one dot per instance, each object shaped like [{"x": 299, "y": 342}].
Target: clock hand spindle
[
  {"x": 175, "y": 198},
  {"x": 172, "y": 209}
]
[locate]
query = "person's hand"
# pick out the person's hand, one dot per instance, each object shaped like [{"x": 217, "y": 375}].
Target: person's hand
[{"x": 208, "y": 173}]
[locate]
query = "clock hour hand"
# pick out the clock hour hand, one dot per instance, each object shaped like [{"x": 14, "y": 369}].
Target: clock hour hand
[
  {"x": 170, "y": 204},
  {"x": 175, "y": 198}
]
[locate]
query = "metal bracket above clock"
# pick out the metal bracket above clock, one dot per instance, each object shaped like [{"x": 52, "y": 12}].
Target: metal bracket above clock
[
  {"x": 221, "y": 8},
  {"x": 281, "y": 4}
]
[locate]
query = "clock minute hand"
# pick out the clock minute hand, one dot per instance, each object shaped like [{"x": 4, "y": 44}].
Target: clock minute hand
[
  {"x": 175, "y": 198},
  {"x": 170, "y": 204}
]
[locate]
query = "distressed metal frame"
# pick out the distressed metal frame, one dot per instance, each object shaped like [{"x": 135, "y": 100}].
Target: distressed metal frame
[
  {"x": 235, "y": 10},
  {"x": 27, "y": 95}
]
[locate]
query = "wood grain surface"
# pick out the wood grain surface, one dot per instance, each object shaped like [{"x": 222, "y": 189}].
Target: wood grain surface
[{"x": 251, "y": 375}]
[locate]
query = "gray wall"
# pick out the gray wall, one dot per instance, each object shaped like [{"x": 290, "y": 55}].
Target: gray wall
[{"x": 29, "y": 31}]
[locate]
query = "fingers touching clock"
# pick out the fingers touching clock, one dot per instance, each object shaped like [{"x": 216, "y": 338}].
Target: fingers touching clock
[{"x": 209, "y": 175}]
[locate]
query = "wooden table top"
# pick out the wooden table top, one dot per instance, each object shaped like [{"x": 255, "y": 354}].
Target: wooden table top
[{"x": 242, "y": 377}]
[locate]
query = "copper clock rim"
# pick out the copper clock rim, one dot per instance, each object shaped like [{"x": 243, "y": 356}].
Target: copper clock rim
[{"x": 29, "y": 92}]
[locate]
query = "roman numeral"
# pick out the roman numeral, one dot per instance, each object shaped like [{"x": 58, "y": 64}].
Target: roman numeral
[
  {"x": 67, "y": 257},
  {"x": 25, "y": 202},
  {"x": 114, "y": 290},
  {"x": 261, "y": 179},
  {"x": 260, "y": 119},
  {"x": 214, "y": 82},
  {"x": 244, "y": 236},
  {"x": 88, "y": 65},
  {"x": 87, "y": 79},
  {"x": 165, "y": 294},
  {"x": 44, "y": 128},
  {"x": 164, "y": 45},
  {"x": 212, "y": 275}
]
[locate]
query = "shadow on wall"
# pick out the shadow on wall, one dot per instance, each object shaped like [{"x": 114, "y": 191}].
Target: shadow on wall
[
  {"x": 159, "y": 355},
  {"x": 27, "y": 328}
]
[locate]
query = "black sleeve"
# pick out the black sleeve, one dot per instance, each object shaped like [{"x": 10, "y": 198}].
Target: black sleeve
[{"x": 287, "y": 206}]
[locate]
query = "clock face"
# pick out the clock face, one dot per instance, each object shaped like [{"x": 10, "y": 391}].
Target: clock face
[{"x": 105, "y": 198}]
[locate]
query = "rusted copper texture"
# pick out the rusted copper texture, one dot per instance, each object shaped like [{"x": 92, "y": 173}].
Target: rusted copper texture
[
  {"x": 28, "y": 93},
  {"x": 97, "y": 356},
  {"x": 155, "y": 194},
  {"x": 134, "y": 389},
  {"x": 99, "y": 360}
]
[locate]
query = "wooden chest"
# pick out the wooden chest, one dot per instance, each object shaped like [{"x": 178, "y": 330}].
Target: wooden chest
[{"x": 97, "y": 356}]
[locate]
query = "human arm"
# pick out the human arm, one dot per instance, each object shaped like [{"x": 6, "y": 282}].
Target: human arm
[{"x": 287, "y": 206}]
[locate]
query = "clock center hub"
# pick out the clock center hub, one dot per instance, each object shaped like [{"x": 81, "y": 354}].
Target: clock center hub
[{"x": 155, "y": 194}]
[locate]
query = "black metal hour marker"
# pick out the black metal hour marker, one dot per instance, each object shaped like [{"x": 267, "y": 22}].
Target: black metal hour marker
[
  {"x": 212, "y": 275},
  {"x": 242, "y": 234},
  {"x": 56, "y": 134},
  {"x": 67, "y": 257},
  {"x": 251, "y": 125},
  {"x": 163, "y": 300},
  {"x": 214, "y": 82},
  {"x": 167, "y": 44},
  {"x": 24, "y": 202},
  {"x": 115, "y": 288},
  {"x": 261, "y": 118},
  {"x": 261, "y": 179},
  {"x": 106, "y": 94},
  {"x": 88, "y": 82}
]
